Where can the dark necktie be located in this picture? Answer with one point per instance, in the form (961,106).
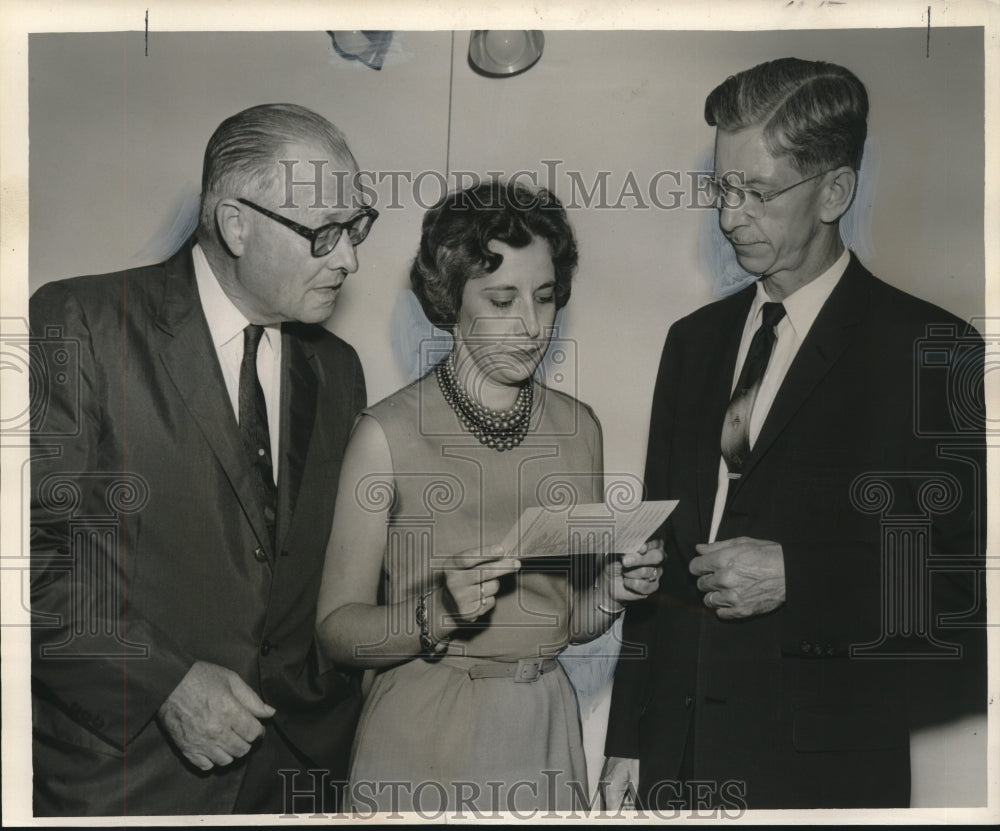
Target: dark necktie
(736,427)
(253,427)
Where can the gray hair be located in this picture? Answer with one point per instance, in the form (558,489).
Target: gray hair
(241,154)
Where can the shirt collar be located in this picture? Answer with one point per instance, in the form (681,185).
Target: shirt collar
(803,305)
(225,321)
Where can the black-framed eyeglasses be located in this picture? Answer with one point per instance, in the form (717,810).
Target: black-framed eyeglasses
(325,238)
(752,201)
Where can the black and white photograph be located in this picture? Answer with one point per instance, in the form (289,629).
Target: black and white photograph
(406,416)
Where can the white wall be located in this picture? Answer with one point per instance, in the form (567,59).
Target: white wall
(117,138)
(116,143)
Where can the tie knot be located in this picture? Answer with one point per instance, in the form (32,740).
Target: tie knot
(251,338)
(772,313)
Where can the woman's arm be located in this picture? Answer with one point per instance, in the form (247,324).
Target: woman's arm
(597,602)
(351,627)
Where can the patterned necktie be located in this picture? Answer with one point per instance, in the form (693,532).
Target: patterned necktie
(253,427)
(736,427)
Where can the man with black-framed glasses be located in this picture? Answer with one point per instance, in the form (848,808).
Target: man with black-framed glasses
(174,666)
(797,636)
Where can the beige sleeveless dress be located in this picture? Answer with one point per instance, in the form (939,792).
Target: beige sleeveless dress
(430,734)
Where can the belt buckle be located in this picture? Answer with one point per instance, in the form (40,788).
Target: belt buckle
(528,670)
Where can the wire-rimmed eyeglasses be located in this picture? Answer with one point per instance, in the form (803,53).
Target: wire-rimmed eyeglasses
(753,202)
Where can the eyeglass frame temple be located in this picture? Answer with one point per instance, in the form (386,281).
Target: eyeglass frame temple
(767,197)
(310,234)
(764,197)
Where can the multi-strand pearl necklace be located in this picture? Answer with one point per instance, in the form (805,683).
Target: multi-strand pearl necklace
(499,429)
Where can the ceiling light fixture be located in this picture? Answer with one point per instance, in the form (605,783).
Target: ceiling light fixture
(500,53)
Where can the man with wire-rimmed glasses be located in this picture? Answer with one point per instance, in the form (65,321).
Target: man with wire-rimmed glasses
(174,667)
(773,673)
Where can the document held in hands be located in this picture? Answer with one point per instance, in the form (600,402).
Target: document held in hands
(592,528)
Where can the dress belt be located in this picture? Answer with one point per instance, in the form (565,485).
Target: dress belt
(523,671)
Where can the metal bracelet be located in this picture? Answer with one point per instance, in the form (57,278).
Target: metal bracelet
(429,645)
(613,612)
(599,605)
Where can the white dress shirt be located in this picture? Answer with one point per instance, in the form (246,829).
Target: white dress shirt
(801,309)
(226,324)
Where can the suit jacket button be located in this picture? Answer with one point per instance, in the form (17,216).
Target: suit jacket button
(284,552)
(265,646)
(259,554)
(806,647)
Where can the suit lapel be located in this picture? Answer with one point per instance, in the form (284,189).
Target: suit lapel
(719,368)
(298,415)
(831,333)
(188,355)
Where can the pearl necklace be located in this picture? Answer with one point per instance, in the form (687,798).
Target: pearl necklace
(498,429)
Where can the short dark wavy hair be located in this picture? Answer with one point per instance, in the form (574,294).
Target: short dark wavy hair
(814,113)
(457,231)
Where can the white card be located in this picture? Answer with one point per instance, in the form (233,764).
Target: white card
(591,528)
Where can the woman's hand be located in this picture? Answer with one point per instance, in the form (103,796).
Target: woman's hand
(635,576)
(471,582)
(621,579)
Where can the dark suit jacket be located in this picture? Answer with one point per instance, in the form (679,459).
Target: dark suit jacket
(149,548)
(875,436)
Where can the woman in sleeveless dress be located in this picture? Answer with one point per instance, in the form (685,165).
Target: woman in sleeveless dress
(468,706)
